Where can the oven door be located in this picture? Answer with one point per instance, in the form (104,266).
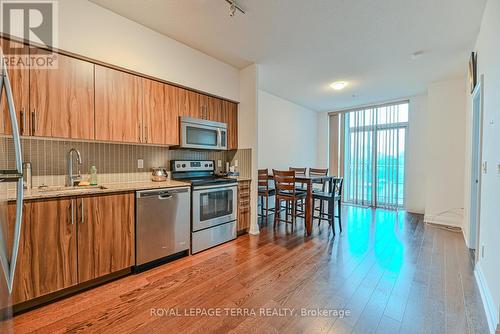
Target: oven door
(213,205)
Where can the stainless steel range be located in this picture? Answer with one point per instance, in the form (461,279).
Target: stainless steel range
(213,204)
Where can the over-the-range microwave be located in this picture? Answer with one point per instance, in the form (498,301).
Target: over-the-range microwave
(203,134)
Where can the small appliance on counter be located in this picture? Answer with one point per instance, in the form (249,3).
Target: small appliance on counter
(214,203)
(159,174)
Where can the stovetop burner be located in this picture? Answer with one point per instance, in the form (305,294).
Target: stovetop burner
(198,173)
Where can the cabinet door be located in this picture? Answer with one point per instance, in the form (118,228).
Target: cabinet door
(47,251)
(105,235)
(243,206)
(118,106)
(215,110)
(231,111)
(189,104)
(19,80)
(62,99)
(161,113)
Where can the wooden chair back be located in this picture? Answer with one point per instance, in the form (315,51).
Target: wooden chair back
(263,178)
(284,181)
(298,170)
(337,184)
(319,172)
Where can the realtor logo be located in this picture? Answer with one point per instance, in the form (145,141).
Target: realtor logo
(34,21)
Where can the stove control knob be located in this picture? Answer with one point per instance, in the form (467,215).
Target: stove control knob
(178,165)
(206,165)
(210,165)
(183,165)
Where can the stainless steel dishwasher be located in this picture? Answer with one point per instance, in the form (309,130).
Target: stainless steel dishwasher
(163,225)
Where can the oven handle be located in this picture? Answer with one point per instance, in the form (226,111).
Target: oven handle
(216,187)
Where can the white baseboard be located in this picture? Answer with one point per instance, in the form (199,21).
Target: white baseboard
(444,219)
(489,306)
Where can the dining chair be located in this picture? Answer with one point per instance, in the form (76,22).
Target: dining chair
(300,185)
(264,191)
(319,185)
(330,197)
(284,182)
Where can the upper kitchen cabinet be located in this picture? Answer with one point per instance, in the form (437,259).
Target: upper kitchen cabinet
(189,104)
(19,80)
(62,99)
(231,112)
(215,110)
(118,106)
(161,113)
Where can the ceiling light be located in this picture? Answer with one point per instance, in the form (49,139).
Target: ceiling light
(339,85)
(233,6)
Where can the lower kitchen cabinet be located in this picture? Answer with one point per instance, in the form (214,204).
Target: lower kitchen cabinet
(68,241)
(105,235)
(47,260)
(243,206)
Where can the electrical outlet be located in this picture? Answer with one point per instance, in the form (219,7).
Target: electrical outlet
(236,163)
(485,167)
(140,163)
(219,163)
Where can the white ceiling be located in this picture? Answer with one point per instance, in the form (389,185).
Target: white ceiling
(304,45)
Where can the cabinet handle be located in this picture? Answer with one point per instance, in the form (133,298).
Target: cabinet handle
(23,121)
(146,133)
(72,209)
(82,220)
(140,137)
(33,122)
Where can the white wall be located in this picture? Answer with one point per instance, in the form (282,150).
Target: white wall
(416,164)
(247,129)
(488,48)
(323,139)
(444,197)
(288,134)
(98,33)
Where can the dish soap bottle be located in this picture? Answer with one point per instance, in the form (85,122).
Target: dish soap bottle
(93,176)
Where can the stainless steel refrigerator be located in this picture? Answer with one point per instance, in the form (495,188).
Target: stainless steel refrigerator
(10,174)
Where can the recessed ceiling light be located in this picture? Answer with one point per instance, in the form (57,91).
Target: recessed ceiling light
(339,85)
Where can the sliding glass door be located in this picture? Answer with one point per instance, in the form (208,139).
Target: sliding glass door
(375,155)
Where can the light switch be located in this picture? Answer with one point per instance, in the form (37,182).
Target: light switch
(485,167)
(219,163)
(235,163)
(140,163)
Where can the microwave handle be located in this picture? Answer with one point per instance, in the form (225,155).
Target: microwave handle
(219,138)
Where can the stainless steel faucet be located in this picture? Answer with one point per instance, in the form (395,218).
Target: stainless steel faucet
(73,180)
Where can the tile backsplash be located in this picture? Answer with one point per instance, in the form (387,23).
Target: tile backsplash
(114,162)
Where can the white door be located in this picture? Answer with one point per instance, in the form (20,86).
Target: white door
(477,104)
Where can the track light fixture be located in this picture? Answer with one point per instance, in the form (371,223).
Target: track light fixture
(233,6)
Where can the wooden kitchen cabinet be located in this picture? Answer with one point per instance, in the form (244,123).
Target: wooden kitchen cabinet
(231,111)
(105,235)
(47,259)
(189,104)
(243,206)
(19,80)
(62,99)
(215,110)
(161,113)
(118,106)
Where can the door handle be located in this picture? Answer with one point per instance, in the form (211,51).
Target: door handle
(72,212)
(23,121)
(33,122)
(9,265)
(82,218)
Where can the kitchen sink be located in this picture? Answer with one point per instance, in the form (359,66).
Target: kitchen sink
(45,189)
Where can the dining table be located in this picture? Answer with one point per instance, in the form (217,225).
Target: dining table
(309,180)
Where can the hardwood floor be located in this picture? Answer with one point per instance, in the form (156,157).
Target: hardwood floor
(389,270)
